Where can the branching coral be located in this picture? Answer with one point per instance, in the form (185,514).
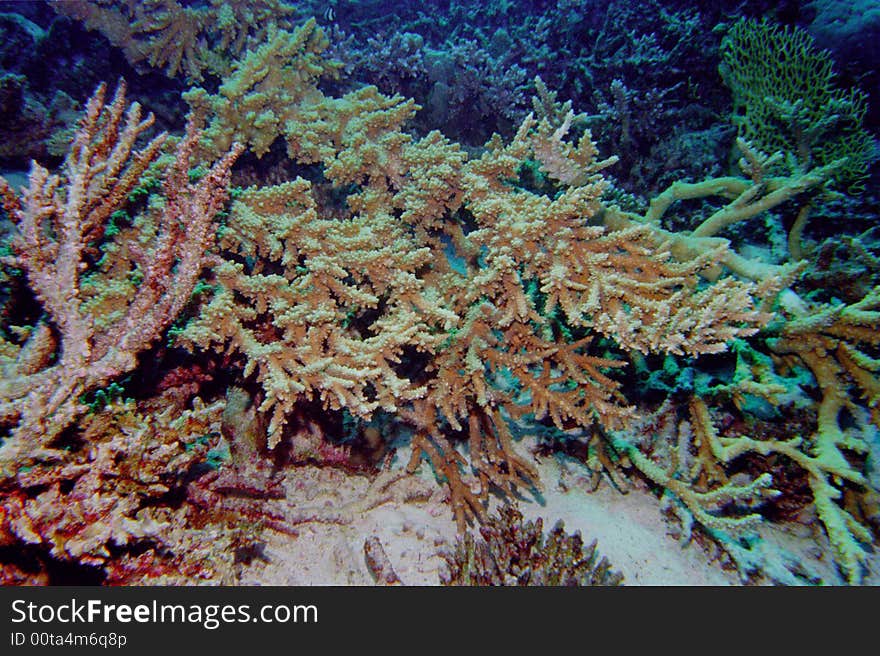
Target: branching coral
(331,309)
(400,280)
(834,342)
(100,501)
(109,286)
(837,344)
(329,306)
(510,551)
(105,301)
(268,88)
(273,92)
(747,197)
(188,40)
(698,478)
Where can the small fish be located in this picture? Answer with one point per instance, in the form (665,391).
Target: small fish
(329,15)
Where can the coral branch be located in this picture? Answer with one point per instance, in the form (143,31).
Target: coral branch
(99,314)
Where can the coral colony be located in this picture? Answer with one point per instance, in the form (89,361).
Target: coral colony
(256,254)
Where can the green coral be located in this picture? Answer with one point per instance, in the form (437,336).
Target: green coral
(104,396)
(786,99)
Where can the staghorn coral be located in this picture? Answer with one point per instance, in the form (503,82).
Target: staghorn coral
(509,551)
(717,492)
(105,301)
(270,87)
(184,39)
(748,197)
(702,483)
(297,324)
(273,92)
(838,343)
(406,281)
(330,309)
(834,342)
(513,357)
(98,494)
(105,504)
(697,477)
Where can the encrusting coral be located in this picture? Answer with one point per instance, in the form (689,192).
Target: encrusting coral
(399,280)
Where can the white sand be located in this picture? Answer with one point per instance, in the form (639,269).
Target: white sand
(413,522)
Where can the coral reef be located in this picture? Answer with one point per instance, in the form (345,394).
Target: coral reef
(178,37)
(95,505)
(398,287)
(786,99)
(98,317)
(512,552)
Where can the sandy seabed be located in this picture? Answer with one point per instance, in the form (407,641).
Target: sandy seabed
(333,512)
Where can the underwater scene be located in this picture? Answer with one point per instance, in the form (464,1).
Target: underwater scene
(362,292)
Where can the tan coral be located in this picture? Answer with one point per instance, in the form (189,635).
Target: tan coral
(58,220)
(183,39)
